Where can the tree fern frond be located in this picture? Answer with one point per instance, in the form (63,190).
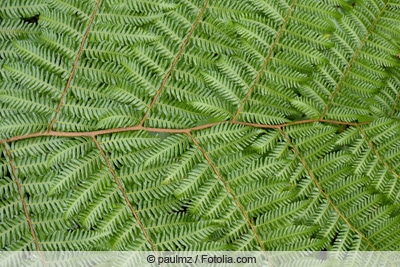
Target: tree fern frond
(222,87)
(170,147)
(61,22)
(43,57)
(156,208)
(58,43)
(230,162)
(40,80)
(239,234)
(276,10)
(129,240)
(22,244)
(12,228)
(127,16)
(108,72)
(236,125)
(286,77)
(173,109)
(180,169)
(234,10)
(138,76)
(270,202)
(24,101)
(76,8)
(140,175)
(53,204)
(20,124)
(146,5)
(308,107)
(77,170)
(263,115)
(7,50)
(127,141)
(42,145)
(10,207)
(14,29)
(69,123)
(124,35)
(246,242)
(201,199)
(388,228)
(71,240)
(102,204)
(192,182)
(184,237)
(286,236)
(48,223)
(279,218)
(21,9)
(107,51)
(72,148)
(133,157)
(148,190)
(256,170)
(213,107)
(388,98)
(7,187)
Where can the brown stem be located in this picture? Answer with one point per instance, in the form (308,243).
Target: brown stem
(228,189)
(168,74)
(171,131)
(339,84)
(24,205)
(71,74)
(120,187)
(372,147)
(321,190)
(266,61)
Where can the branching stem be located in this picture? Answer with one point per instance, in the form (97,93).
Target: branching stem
(168,74)
(229,190)
(171,131)
(322,191)
(266,61)
(347,70)
(121,188)
(372,147)
(24,205)
(75,66)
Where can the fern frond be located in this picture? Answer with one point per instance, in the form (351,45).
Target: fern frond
(21,9)
(148,5)
(278,126)
(77,170)
(124,35)
(58,43)
(43,57)
(180,169)
(76,8)
(71,240)
(14,29)
(128,141)
(192,182)
(102,204)
(72,148)
(21,124)
(42,81)
(69,123)
(170,147)
(58,21)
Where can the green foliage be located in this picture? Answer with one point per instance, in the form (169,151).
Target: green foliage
(191,124)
